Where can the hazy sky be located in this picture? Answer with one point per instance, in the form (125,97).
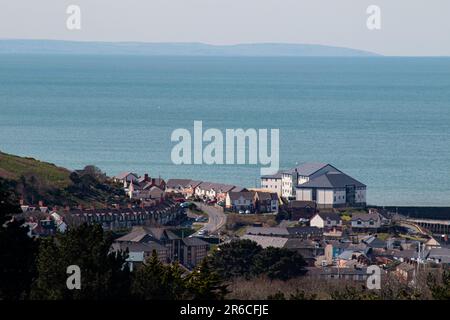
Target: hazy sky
(408,27)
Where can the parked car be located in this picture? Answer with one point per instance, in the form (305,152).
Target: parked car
(186,204)
(247,212)
(241,211)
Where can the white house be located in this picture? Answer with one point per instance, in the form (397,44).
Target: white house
(326,220)
(272,183)
(333,189)
(126,177)
(366,220)
(176,185)
(244,200)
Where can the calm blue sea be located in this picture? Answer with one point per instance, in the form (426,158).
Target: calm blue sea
(384,121)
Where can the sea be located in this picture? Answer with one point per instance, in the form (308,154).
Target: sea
(383,120)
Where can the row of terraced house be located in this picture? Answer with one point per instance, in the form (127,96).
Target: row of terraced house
(234,198)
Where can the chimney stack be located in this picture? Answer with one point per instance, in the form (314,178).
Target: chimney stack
(41,203)
(21,201)
(146,178)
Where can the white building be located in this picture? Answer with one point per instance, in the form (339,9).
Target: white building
(326,220)
(333,189)
(125,177)
(366,220)
(272,183)
(244,200)
(292,178)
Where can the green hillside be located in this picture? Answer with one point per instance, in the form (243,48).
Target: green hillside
(13,167)
(34,181)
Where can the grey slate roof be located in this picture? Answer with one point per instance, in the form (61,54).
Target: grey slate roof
(173,183)
(332,216)
(267,231)
(194,242)
(265,242)
(145,234)
(296,243)
(308,169)
(272,176)
(365,216)
(303,230)
(138,246)
(247,195)
(332,180)
(122,175)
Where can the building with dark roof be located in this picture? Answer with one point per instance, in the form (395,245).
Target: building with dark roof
(365,221)
(333,189)
(177,185)
(326,220)
(291,178)
(188,251)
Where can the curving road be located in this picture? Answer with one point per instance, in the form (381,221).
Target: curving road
(217,218)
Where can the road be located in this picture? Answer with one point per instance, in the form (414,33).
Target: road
(217,218)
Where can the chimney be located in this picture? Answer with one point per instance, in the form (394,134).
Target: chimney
(142,204)
(80,207)
(146,177)
(21,201)
(153,181)
(67,208)
(41,203)
(129,206)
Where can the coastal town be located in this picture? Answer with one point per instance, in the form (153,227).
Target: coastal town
(314,209)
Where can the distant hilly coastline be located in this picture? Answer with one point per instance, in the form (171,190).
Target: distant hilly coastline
(176,49)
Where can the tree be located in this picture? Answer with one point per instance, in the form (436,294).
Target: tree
(103,273)
(156,281)
(440,291)
(205,284)
(9,203)
(235,259)
(279,263)
(17,261)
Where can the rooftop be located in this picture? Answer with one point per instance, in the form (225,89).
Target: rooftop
(332,180)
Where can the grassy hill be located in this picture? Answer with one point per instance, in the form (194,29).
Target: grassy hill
(13,167)
(34,180)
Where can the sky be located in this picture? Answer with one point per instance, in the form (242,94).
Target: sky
(408,27)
